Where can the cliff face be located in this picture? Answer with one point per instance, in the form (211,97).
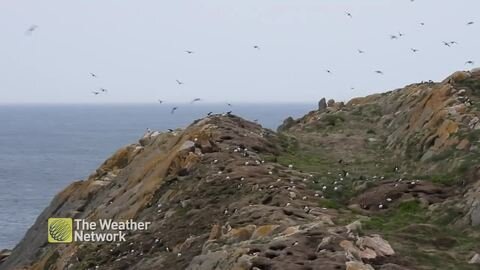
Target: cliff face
(389,181)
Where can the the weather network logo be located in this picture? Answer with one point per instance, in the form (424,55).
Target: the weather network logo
(60,230)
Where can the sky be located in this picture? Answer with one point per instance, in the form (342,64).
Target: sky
(137,48)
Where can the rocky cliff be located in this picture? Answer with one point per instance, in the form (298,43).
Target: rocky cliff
(388,181)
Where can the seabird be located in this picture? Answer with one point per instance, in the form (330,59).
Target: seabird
(196,100)
(470,23)
(401,34)
(170,130)
(469,63)
(446,43)
(393,37)
(379,72)
(256,47)
(95,93)
(103,90)
(173,110)
(453,42)
(360,51)
(160,101)
(93,75)
(414,50)
(189,52)
(210,113)
(179,82)
(329,71)
(422,24)
(349,14)
(31,29)
(229,104)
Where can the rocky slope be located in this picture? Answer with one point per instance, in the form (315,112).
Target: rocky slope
(389,181)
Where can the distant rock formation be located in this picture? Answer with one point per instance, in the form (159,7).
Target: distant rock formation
(322,104)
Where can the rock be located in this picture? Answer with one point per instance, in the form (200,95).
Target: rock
(475,259)
(378,244)
(322,104)
(330,103)
(458,77)
(358,266)
(4,254)
(287,123)
(475,213)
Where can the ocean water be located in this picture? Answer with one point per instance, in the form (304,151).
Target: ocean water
(45,148)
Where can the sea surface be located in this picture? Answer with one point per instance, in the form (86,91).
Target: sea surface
(43,148)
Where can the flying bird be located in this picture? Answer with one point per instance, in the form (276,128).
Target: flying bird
(400,34)
(103,90)
(229,104)
(349,14)
(414,50)
(160,101)
(93,75)
(393,37)
(195,100)
(179,82)
(31,29)
(453,42)
(446,43)
(328,71)
(422,24)
(189,52)
(256,47)
(173,110)
(360,51)
(95,93)
(379,72)
(470,63)
(470,23)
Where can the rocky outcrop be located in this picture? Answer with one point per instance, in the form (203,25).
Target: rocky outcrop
(322,104)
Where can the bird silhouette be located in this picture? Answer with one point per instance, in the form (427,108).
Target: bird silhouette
(160,101)
(210,113)
(93,75)
(256,47)
(401,34)
(31,29)
(173,110)
(453,43)
(360,51)
(328,71)
(103,90)
(189,52)
(179,82)
(349,14)
(95,93)
(470,62)
(470,23)
(229,104)
(446,43)
(414,50)
(196,100)
(393,37)
(379,72)
(422,24)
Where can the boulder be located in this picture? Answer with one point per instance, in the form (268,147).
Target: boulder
(330,103)
(358,266)
(322,104)
(475,259)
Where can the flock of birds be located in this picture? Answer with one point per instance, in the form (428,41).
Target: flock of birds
(33,28)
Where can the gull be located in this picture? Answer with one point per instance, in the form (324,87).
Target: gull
(422,24)
(95,93)
(446,43)
(328,71)
(195,100)
(210,113)
(360,51)
(470,23)
(393,37)
(31,29)
(179,82)
(414,50)
(453,42)
(93,75)
(379,72)
(160,101)
(349,14)
(470,62)
(173,110)
(229,104)
(256,47)
(400,34)
(189,52)
(103,90)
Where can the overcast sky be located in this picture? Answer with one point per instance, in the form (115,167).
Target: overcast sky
(136,47)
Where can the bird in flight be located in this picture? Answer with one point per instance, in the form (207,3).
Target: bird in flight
(379,72)
(393,37)
(173,110)
(256,47)
(179,82)
(328,71)
(470,62)
(210,113)
(31,29)
(189,52)
(229,104)
(103,90)
(360,51)
(422,24)
(401,34)
(93,75)
(349,14)
(470,23)
(414,50)
(446,43)
(160,101)
(196,100)
(95,93)
(453,43)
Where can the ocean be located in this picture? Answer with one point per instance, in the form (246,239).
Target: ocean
(43,148)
